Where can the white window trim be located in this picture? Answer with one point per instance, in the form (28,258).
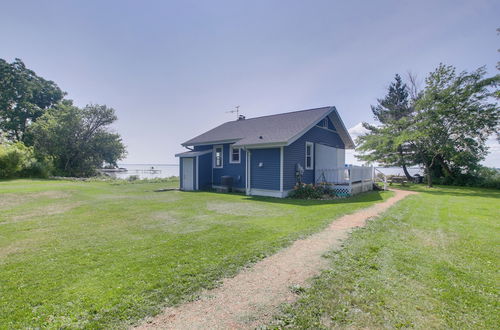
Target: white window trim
(312,156)
(221,146)
(231,161)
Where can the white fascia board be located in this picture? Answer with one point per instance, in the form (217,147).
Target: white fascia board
(349,144)
(198,153)
(261,146)
(210,143)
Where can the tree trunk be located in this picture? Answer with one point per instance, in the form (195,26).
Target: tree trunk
(403,164)
(407,174)
(429,176)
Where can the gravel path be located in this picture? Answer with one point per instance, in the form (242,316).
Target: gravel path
(252,297)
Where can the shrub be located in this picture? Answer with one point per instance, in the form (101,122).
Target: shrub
(18,160)
(310,191)
(483,177)
(133,178)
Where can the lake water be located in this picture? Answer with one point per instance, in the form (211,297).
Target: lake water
(143,171)
(168,170)
(399,171)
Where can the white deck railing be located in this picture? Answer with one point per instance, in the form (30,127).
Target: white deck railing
(345,175)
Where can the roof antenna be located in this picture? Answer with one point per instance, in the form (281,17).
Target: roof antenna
(236,110)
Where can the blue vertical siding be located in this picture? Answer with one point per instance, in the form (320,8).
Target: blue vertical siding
(205,171)
(330,124)
(237,171)
(267,176)
(201,148)
(296,154)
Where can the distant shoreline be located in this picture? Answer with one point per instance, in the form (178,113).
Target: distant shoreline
(147,164)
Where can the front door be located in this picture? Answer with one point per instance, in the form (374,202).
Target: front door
(187,174)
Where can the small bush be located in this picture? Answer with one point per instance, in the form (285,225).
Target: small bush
(133,178)
(310,191)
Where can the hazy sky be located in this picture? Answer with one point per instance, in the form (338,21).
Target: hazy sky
(172,69)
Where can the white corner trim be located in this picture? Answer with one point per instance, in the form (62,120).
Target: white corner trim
(221,156)
(312,156)
(231,148)
(282,160)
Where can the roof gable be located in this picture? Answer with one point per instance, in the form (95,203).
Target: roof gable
(280,129)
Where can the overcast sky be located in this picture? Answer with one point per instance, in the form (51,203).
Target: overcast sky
(172,69)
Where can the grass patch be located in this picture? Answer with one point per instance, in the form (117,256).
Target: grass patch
(431,261)
(103,254)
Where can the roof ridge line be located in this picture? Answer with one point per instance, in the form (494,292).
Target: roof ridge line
(283,113)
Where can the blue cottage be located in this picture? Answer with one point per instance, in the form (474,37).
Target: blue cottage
(263,154)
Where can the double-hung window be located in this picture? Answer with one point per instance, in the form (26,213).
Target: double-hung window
(235,155)
(309,155)
(218,157)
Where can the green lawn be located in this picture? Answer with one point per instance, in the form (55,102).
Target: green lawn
(98,254)
(432,261)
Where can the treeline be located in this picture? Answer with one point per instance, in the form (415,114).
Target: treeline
(442,127)
(42,133)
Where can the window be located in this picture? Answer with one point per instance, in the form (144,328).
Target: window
(309,155)
(218,160)
(324,123)
(235,155)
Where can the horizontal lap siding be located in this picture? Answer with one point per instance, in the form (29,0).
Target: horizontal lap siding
(296,154)
(267,176)
(237,171)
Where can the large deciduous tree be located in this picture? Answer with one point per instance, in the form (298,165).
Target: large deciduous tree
(24,97)
(443,128)
(454,117)
(381,144)
(77,140)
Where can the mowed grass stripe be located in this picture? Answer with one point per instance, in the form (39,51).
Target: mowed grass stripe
(429,262)
(97,254)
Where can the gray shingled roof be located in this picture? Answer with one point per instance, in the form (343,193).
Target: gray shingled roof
(280,129)
(193,153)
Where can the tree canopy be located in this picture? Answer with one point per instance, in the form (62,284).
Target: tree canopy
(65,139)
(77,140)
(454,117)
(444,128)
(24,97)
(392,113)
